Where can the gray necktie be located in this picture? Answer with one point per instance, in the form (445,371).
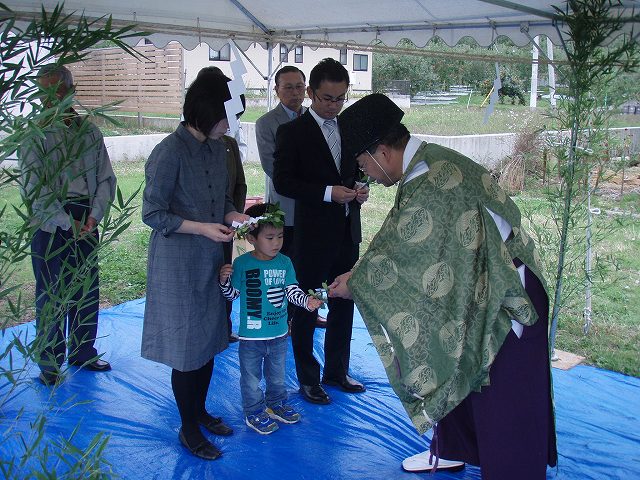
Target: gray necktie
(334,146)
(332,140)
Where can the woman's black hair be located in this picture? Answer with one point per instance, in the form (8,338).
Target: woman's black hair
(204,102)
(211,70)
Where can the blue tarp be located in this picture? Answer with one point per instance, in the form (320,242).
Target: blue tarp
(363,436)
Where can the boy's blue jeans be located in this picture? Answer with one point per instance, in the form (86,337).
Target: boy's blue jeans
(254,356)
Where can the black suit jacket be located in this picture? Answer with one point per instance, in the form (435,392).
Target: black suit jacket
(303,168)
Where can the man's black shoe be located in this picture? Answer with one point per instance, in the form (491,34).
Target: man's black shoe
(314,394)
(347,384)
(95,366)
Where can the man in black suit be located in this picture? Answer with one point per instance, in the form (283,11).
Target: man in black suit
(290,88)
(315,169)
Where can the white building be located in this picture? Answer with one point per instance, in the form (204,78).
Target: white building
(357,63)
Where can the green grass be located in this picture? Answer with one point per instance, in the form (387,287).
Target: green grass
(613,341)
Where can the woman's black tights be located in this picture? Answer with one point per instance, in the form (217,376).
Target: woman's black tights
(190,390)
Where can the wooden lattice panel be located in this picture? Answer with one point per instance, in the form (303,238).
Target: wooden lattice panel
(154,84)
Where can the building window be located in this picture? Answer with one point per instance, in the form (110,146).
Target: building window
(343,56)
(360,63)
(222,55)
(299,54)
(284,53)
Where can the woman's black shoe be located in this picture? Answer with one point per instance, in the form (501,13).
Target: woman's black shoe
(204,449)
(216,426)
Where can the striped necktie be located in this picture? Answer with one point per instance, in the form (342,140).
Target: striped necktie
(334,146)
(332,140)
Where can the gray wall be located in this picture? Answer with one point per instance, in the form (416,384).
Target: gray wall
(488,150)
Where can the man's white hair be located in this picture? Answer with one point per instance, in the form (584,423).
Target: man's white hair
(60,71)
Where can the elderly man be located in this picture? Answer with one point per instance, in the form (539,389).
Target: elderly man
(452,292)
(313,167)
(69,183)
(290,89)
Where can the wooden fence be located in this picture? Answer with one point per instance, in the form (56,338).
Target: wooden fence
(154,84)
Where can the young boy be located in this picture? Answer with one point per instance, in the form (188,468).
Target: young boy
(265,281)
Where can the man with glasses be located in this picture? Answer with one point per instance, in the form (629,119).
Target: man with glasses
(290,88)
(313,167)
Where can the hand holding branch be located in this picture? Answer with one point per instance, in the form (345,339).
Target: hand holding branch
(342,195)
(313,303)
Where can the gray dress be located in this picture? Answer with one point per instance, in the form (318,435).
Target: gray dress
(184,319)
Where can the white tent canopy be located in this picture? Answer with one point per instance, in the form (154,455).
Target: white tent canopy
(328,23)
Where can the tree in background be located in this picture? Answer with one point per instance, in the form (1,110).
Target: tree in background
(590,66)
(438,66)
(622,88)
(418,70)
(511,87)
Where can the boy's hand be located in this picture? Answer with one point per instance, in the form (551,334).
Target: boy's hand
(313,303)
(225,272)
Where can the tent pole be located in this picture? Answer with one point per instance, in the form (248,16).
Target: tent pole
(533,97)
(586,315)
(552,74)
(269,73)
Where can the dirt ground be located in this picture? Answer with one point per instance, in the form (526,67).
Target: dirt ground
(612,184)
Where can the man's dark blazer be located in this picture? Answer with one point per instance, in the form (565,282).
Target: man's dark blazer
(325,242)
(303,168)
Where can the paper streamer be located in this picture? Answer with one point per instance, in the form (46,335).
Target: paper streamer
(493,100)
(236,88)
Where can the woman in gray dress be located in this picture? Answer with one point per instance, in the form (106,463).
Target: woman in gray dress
(186,204)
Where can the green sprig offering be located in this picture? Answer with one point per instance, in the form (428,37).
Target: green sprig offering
(321,294)
(363,179)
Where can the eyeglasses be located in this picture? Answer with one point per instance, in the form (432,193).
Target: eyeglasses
(364,163)
(293,88)
(330,99)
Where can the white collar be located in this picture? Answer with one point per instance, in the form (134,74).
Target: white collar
(409,152)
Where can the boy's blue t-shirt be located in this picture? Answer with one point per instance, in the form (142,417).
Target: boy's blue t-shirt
(263,300)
